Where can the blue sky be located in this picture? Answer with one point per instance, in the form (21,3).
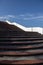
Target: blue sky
(26,12)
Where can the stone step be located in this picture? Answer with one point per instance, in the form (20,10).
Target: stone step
(23,53)
(21,62)
(17,48)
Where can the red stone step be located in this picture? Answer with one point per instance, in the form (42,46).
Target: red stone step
(21,53)
(16,62)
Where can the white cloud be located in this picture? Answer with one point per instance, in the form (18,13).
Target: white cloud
(30,17)
(27,14)
(23,17)
(12,16)
(2,17)
(6,17)
(33,18)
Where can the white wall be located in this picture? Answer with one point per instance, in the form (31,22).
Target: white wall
(36,29)
(33,29)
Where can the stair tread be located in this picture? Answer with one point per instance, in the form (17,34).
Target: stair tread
(21,53)
(21,61)
(21,47)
